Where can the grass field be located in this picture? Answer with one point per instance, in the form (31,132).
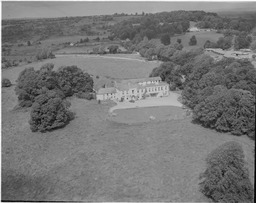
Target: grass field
(94,159)
(201,38)
(106,68)
(97,159)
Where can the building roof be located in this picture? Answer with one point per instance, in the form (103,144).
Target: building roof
(107,90)
(137,80)
(126,87)
(156,85)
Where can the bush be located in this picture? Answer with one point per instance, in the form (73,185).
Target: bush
(226,179)
(49,111)
(72,79)
(6,82)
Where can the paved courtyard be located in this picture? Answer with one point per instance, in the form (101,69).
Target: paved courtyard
(170,100)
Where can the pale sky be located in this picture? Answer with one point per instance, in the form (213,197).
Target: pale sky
(34,9)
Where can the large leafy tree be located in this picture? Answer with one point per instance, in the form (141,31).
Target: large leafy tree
(49,111)
(31,82)
(226,110)
(242,41)
(165,39)
(72,79)
(226,179)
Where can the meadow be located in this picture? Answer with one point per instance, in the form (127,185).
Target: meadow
(96,159)
(201,38)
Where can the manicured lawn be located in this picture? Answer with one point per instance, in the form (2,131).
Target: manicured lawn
(140,115)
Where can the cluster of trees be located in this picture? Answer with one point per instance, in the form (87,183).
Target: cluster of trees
(45,90)
(241,41)
(151,49)
(157,25)
(6,63)
(84,40)
(221,94)
(26,29)
(226,179)
(219,23)
(44,54)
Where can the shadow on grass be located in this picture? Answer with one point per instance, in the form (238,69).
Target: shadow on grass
(20,187)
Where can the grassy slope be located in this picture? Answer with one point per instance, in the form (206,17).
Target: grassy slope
(106,68)
(95,159)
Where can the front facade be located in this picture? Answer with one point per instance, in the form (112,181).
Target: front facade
(134,89)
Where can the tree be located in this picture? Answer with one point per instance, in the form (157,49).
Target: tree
(209,44)
(72,79)
(242,41)
(6,82)
(30,84)
(165,39)
(113,49)
(179,41)
(49,111)
(253,46)
(226,179)
(193,41)
(178,46)
(226,110)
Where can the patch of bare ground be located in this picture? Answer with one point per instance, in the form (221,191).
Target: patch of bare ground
(94,159)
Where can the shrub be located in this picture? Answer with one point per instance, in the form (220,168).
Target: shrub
(6,82)
(49,111)
(72,79)
(226,179)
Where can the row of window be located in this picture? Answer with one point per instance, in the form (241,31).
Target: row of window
(150,89)
(156,89)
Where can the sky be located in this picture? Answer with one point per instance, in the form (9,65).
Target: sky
(42,9)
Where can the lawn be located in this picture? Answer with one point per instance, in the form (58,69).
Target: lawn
(95,159)
(141,115)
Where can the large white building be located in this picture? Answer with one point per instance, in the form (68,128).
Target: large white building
(134,89)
